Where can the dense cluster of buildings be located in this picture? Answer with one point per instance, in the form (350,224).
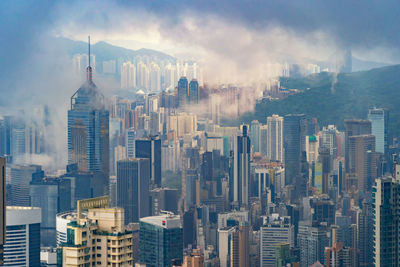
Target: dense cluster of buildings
(150,184)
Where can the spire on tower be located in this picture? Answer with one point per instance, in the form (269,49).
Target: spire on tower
(89,74)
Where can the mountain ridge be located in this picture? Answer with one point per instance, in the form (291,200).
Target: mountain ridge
(332,102)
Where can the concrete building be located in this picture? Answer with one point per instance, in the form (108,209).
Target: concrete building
(386,201)
(100,239)
(274,231)
(275,138)
(22,247)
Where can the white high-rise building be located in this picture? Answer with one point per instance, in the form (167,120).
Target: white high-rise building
(170,76)
(155,78)
(275,230)
(142,76)
(128,75)
(275,138)
(22,247)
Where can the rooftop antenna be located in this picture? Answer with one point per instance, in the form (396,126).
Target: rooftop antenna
(89,74)
(89,48)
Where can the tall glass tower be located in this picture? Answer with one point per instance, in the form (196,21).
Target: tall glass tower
(88,132)
(379,121)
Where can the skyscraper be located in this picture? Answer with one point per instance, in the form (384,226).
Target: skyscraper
(240,246)
(2,207)
(359,147)
(386,201)
(312,241)
(161,240)
(354,127)
(274,231)
(293,141)
(379,128)
(128,75)
(255,135)
(52,195)
(275,138)
(88,132)
(241,172)
(193,92)
(22,247)
(150,148)
(21,176)
(133,176)
(182,91)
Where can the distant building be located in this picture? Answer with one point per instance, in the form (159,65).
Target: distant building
(21,176)
(352,128)
(182,91)
(128,75)
(133,177)
(22,247)
(164,199)
(161,240)
(312,241)
(379,127)
(150,148)
(294,126)
(241,172)
(274,231)
(193,95)
(52,195)
(275,138)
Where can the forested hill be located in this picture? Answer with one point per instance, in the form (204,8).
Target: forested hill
(332,99)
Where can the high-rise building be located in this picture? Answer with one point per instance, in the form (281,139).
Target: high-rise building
(182,91)
(386,201)
(224,241)
(161,240)
(155,78)
(274,231)
(365,227)
(275,138)
(163,199)
(264,139)
(133,177)
(359,148)
(240,246)
(241,172)
(2,207)
(21,176)
(255,135)
(329,139)
(312,241)
(99,238)
(379,127)
(52,195)
(193,95)
(293,144)
(22,247)
(354,127)
(150,148)
(128,75)
(88,132)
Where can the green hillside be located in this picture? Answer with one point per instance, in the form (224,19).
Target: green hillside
(350,97)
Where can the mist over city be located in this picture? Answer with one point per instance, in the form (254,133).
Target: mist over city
(199,133)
